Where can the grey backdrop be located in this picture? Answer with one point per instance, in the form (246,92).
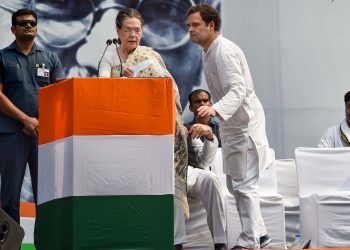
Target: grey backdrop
(299,55)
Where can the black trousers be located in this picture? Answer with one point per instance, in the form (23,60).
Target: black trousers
(16,150)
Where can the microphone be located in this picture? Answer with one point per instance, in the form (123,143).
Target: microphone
(108,42)
(116,42)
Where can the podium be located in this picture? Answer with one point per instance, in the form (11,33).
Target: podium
(106,171)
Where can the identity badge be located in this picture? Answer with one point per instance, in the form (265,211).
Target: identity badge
(43,72)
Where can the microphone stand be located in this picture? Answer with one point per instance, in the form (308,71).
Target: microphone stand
(108,42)
(116,41)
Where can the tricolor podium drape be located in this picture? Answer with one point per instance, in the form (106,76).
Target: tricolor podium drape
(106,172)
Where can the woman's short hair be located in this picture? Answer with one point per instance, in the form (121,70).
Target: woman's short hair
(125,14)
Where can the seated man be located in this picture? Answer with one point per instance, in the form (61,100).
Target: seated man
(202,147)
(338,135)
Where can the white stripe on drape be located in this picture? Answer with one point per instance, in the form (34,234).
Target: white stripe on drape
(106,165)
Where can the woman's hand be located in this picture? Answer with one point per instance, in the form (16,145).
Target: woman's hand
(128,72)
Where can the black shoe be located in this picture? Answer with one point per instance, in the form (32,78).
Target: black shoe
(178,247)
(238,248)
(264,241)
(220,246)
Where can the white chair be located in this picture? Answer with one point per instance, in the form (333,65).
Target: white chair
(271,204)
(324,193)
(287,186)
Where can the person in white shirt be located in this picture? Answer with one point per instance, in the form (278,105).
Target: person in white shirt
(241,117)
(338,135)
(202,143)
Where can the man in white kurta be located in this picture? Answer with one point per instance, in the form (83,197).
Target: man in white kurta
(338,135)
(204,184)
(242,120)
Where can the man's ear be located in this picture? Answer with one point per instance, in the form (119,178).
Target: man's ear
(212,25)
(190,108)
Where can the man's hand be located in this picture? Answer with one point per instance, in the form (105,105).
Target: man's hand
(206,111)
(31,126)
(198,130)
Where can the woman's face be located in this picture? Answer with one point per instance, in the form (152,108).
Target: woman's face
(130,33)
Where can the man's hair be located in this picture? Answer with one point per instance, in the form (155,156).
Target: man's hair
(347,97)
(197,91)
(23,12)
(208,14)
(127,13)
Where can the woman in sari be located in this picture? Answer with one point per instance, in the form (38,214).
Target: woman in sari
(130,59)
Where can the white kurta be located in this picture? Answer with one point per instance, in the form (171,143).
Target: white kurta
(240,112)
(243,138)
(332,137)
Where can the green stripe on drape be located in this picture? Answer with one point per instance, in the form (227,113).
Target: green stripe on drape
(138,222)
(27,246)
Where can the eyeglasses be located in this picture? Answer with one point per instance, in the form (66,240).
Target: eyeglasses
(130,30)
(24,23)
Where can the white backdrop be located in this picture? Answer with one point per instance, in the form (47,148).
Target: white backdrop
(299,56)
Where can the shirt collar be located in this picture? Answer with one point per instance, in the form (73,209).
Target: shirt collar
(345,131)
(194,122)
(212,45)
(13,46)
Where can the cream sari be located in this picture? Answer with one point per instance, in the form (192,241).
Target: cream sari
(158,69)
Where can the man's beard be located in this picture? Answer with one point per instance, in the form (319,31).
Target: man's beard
(26,37)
